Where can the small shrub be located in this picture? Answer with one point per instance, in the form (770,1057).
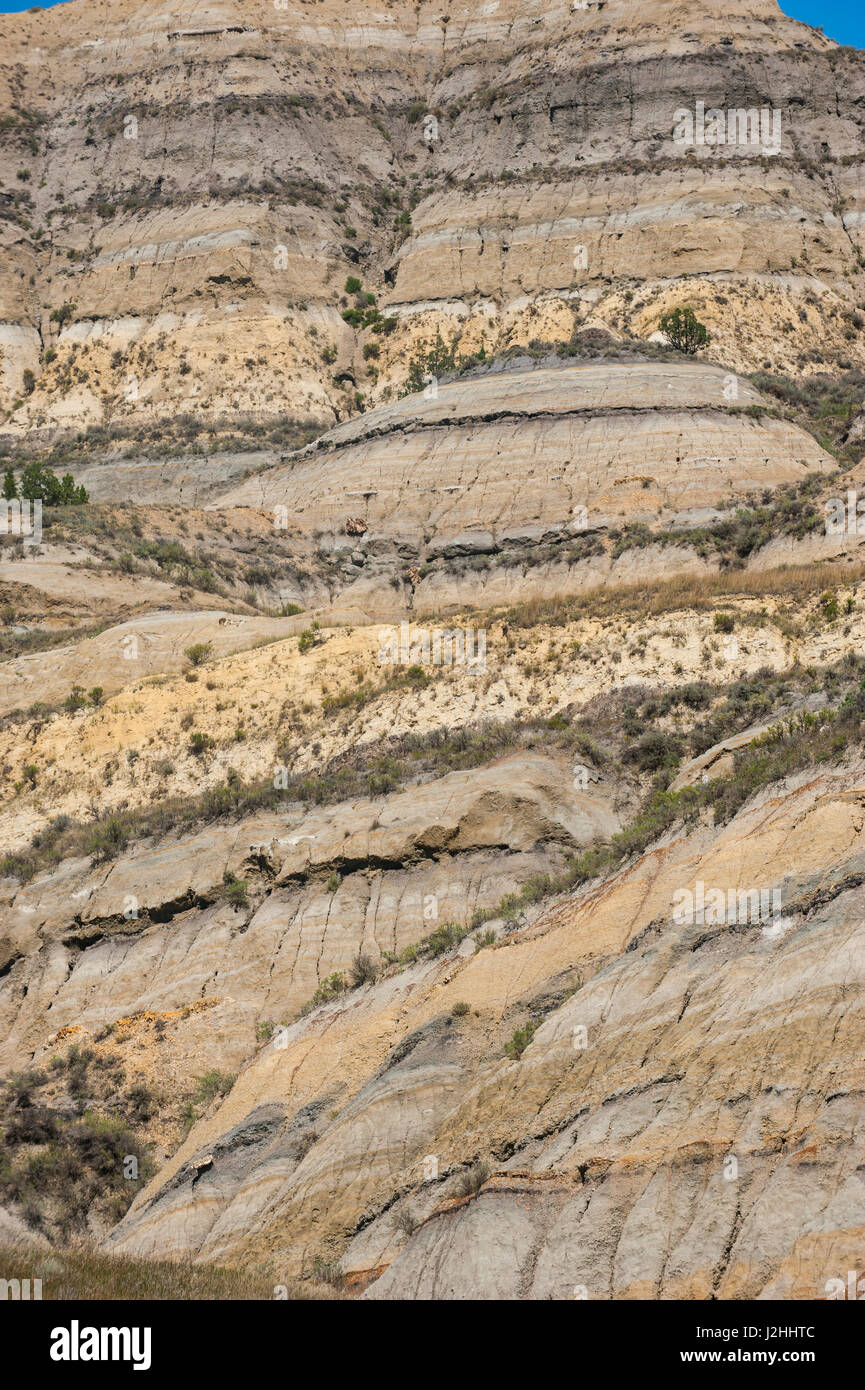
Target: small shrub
(327,1272)
(107,839)
(829,605)
(141,1103)
(213,1084)
(516,1046)
(405,1222)
(654,751)
(198,653)
(236,890)
(330,988)
(75,700)
(471,1182)
(62,315)
(363,971)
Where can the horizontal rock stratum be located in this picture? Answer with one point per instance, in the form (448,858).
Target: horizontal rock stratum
(199,193)
(514,455)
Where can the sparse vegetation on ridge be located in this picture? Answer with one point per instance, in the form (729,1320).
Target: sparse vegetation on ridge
(379,769)
(68,1165)
(802,740)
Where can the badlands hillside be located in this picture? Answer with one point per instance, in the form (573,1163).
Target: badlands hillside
(432,816)
(186,190)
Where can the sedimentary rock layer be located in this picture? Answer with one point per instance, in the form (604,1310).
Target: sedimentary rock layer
(87,944)
(516,455)
(180,192)
(697,1071)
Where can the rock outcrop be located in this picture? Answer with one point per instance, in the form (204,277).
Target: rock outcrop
(90,944)
(178,193)
(493,470)
(698,1071)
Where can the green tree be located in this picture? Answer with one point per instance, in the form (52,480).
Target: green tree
(70,495)
(63,314)
(9,488)
(38,482)
(684,330)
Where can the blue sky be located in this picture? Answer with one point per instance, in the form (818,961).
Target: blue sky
(843,20)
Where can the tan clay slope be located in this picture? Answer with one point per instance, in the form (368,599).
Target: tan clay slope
(154,930)
(150,645)
(702,1044)
(266,708)
(516,455)
(197,185)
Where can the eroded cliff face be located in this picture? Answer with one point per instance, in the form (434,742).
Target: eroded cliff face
(681,1114)
(361,778)
(349,878)
(463,489)
(517,480)
(186,192)
(686,1124)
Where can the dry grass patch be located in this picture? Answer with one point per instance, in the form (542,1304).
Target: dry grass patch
(793,583)
(85,1273)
